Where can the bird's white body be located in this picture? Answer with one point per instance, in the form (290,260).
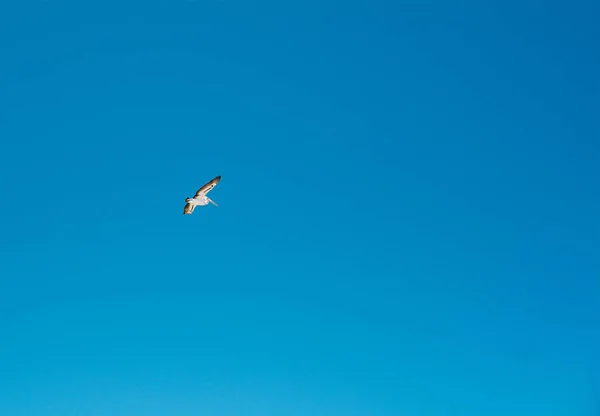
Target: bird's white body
(200,199)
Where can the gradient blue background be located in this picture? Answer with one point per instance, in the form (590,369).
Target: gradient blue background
(408,220)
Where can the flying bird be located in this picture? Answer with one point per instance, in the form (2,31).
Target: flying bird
(200,198)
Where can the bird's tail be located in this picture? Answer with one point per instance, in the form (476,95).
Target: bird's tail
(212,202)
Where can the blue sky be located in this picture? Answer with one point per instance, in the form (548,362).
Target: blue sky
(407,223)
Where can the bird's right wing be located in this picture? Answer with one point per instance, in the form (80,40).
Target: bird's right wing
(188,209)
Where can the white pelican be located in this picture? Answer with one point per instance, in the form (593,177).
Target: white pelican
(200,198)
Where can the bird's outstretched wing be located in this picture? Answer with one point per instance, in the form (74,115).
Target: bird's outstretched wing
(208,186)
(188,209)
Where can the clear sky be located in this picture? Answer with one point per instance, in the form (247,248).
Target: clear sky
(408,218)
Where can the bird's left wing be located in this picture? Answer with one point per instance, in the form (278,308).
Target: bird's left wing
(208,186)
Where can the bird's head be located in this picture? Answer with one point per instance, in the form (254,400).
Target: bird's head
(188,199)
